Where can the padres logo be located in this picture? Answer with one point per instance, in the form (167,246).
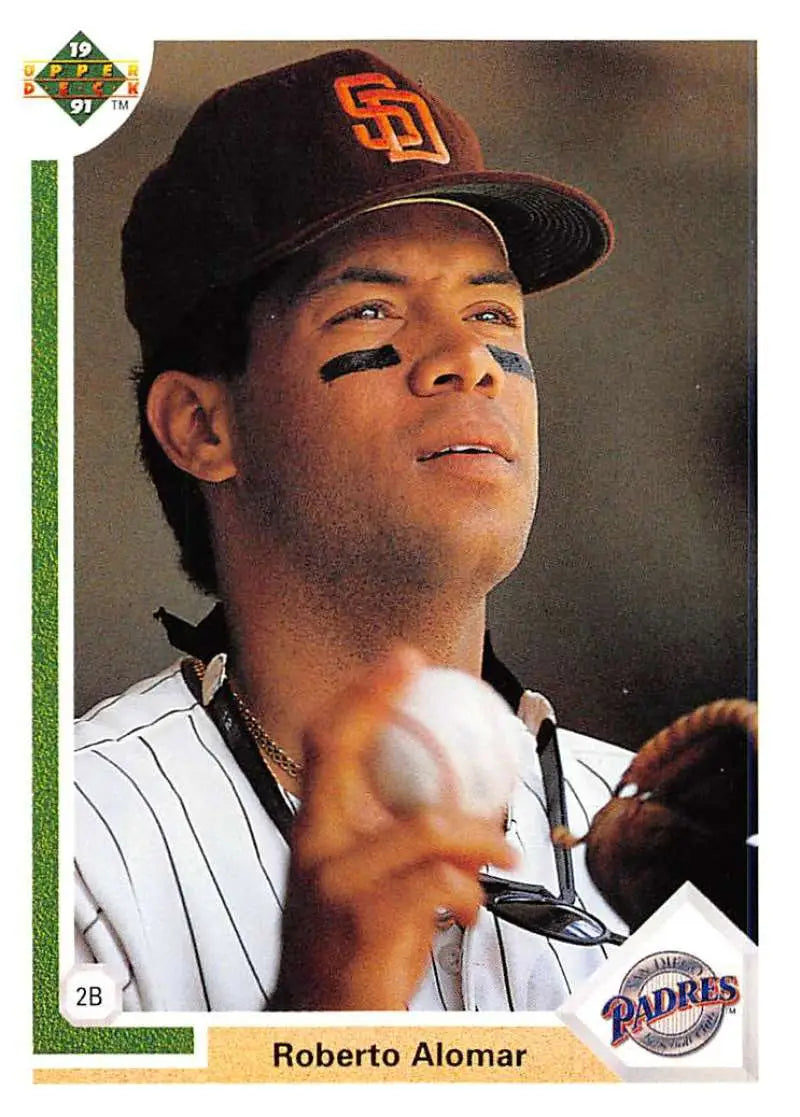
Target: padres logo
(670,1003)
(401,124)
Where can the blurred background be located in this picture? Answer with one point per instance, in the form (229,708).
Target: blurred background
(635,601)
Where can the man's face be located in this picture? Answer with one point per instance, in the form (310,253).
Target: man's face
(376,431)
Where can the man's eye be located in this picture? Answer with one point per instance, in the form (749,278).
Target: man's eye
(502,315)
(364,312)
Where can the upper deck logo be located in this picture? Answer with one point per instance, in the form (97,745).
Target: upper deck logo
(670,1003)
(80,79)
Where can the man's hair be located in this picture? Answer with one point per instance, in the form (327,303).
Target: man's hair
(212,342)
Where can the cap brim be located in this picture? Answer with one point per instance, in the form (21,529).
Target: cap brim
(553,232)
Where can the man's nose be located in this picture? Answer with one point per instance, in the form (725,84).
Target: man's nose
(456,364)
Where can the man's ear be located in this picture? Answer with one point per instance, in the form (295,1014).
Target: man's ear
(191,418)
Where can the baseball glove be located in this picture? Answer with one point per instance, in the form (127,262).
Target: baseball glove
(684,810)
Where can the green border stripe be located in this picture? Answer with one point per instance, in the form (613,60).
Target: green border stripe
(51,1032)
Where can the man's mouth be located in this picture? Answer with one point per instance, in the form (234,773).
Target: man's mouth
(462,448)
(465,448)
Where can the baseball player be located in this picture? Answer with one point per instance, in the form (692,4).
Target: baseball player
(340,417)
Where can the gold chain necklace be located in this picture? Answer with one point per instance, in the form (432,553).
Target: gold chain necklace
(270,751)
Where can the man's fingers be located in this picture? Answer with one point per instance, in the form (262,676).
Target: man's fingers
(337,796)
(460,840)
(343,726)
(428,890)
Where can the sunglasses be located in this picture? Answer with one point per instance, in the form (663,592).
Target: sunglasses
(531,906)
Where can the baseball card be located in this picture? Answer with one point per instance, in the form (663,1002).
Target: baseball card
(394,555)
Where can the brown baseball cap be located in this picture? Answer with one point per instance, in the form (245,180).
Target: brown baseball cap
(266,166)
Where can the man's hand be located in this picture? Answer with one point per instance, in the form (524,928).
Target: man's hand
(364,884)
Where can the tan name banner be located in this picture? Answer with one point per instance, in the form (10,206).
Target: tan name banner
(351,1055)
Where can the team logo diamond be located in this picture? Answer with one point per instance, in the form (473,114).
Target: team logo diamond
(80,79)
(677,1001)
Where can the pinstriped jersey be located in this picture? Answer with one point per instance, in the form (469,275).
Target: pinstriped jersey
(180,873)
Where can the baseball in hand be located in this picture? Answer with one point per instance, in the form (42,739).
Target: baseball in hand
(451,738)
